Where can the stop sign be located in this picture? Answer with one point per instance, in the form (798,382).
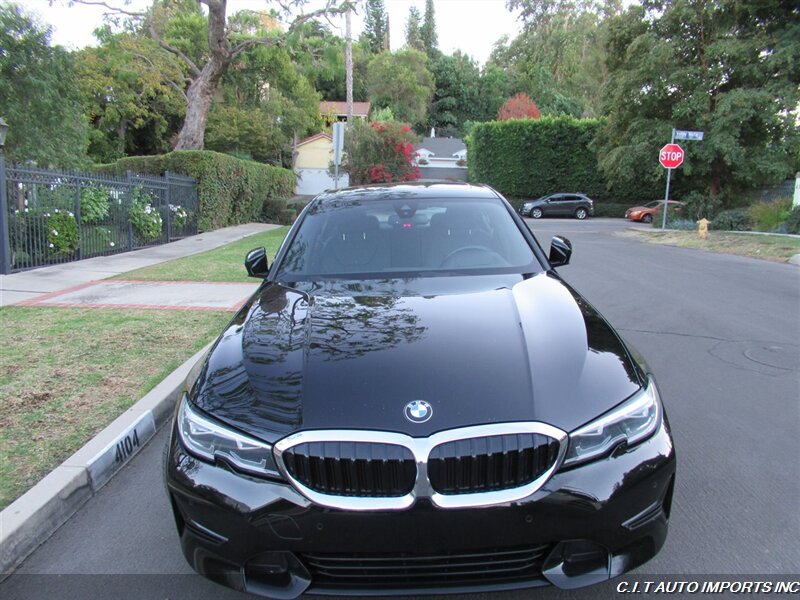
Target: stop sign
(671,156)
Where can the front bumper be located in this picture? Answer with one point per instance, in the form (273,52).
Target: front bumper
(583,526)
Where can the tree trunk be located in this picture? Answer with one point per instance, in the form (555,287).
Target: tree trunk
(198,102)
(204,82)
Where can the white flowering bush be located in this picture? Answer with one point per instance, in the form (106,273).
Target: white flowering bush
(62,232)
(146,219)
(179,216)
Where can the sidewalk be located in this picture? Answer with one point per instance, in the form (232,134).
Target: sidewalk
(27,286)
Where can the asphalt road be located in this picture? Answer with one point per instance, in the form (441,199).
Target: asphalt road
(722,334)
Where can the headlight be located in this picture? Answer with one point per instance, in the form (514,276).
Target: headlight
(629,423)
(209,439)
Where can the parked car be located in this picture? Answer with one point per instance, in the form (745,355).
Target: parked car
(647,213)
(414,401)
(579,206)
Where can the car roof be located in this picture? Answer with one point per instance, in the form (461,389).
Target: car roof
(414,189)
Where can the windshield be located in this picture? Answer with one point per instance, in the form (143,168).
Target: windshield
(406,236)
(652,204)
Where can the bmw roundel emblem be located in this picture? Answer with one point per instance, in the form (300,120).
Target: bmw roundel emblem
(418,411)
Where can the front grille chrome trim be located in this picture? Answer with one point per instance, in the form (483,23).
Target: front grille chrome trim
(421,449)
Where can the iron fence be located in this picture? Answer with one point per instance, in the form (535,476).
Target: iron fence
(50,217)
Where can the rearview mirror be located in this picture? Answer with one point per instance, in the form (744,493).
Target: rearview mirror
(560,251)
(256,263)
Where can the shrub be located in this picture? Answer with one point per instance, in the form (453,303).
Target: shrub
(610,209)
(793,222)
(146,220)
(380,153)
(230,190)
(179,216)
(96,239)
(94,204)
(529,159)
(768,216)
(676,215)
(62,232)
(287,216)
(698,206)
(736,219)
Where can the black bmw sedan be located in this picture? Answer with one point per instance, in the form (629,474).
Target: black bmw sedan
(414,401)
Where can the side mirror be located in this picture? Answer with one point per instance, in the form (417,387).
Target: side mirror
(560,251)
(256,263)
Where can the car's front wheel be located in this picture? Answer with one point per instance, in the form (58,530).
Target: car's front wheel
(581,214)
(647,219)
(536,213)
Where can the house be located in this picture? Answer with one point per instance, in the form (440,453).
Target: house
(442,158)
(333,111)
(312,158)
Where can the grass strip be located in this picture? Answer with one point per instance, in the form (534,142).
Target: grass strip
(65,374)
(769,247)
(225,263)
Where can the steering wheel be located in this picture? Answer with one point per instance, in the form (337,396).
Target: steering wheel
(490,257)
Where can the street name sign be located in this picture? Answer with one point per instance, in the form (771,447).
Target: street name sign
(688,135)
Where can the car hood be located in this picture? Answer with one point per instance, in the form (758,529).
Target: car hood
(639,209)
(353,354)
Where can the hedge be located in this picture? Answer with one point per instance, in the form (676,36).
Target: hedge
(231,190)
(529,158)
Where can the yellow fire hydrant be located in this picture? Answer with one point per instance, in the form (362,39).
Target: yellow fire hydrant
(702,228)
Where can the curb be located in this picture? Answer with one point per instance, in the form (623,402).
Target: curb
(36,515)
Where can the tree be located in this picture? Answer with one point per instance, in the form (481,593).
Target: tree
(413,32)
(376,26)
(455,99)
(133,95)
(430,40)
(519,106)
(263,103)
(401,81)
(381,152)
(38,95)
(559,58)
(493,90)
(320,56)
(207,60)
(727,68)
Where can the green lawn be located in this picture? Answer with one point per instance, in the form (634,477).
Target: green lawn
(222,264)
(769,247)
(67,373)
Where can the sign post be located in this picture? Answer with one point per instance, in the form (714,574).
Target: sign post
(670,157)
(338,145)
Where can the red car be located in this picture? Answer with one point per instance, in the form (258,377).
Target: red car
(646,213)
